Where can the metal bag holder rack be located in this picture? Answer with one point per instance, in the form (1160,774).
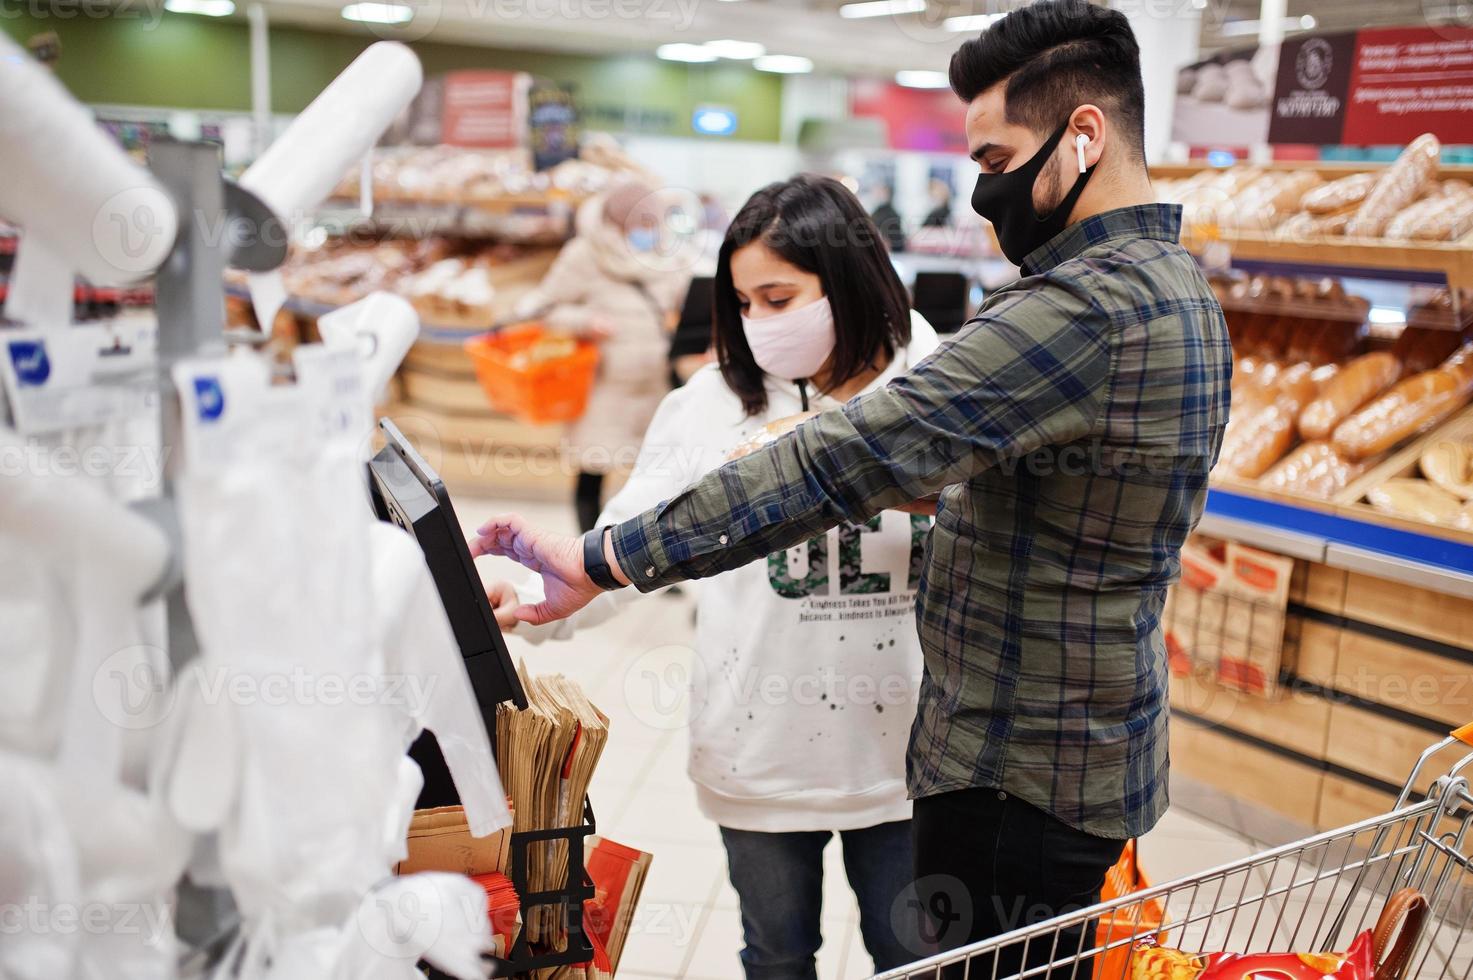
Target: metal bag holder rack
(570,896)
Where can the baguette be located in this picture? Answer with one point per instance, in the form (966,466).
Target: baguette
(1412,405)
(1315,469)
(1262,439)
(1417,499)
(1402,183)
(1338,195)
(1356,384)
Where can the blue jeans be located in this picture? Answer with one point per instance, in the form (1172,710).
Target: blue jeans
(779,880)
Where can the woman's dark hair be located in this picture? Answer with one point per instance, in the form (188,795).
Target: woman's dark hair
(816,224)
(1056,55)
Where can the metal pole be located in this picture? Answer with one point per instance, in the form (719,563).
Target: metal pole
(260,77)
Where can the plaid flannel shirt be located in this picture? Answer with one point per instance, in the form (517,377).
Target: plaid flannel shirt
(1070,428)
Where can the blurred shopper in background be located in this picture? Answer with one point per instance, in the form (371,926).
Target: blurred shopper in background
(808,313)
(886,218)
(940,214)
(615,283)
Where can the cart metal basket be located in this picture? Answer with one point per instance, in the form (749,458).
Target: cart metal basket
(1312,895)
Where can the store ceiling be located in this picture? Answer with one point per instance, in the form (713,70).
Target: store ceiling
(812,28)
(872,46)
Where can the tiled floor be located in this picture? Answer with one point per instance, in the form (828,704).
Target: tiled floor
(688,925)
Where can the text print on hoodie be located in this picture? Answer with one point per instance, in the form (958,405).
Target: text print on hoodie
(808,664)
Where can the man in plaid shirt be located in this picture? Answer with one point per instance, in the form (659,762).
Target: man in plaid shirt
(1068,429)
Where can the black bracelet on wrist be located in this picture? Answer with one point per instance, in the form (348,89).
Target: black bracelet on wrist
(593,560)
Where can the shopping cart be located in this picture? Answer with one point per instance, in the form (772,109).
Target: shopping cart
(1313,895)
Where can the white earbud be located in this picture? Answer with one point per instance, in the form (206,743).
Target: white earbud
(1080,142)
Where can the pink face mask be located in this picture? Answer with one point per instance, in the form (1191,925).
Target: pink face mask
(794,344)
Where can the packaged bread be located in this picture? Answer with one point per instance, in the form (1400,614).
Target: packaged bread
(768,434)
(1315,469)
(1409,407)
(1416,499)
(1263,438)
(1353,386)
(1337,195)
(1401,184)
(1448,463)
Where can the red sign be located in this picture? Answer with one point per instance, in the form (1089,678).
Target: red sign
(484,108)
(930,120)
(1408,81)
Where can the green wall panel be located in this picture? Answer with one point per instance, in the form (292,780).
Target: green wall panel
(161,59)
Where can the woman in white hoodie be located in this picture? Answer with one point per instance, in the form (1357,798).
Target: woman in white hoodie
(811,661)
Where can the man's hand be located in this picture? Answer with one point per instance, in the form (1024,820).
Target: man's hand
(556,557)
(504,604)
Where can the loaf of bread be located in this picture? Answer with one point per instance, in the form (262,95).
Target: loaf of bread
(1263,437)
(1401,184)
(1315,469)
(1416,499)
(1449,464)
(1337,195)
(1269,201)
(768,434)
(1409,407)
(1356,384)
(1447,224)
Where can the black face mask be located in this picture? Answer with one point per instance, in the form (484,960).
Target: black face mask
(1006,200)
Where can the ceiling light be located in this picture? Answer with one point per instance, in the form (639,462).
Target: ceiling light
(370,12)
(693,53)
(1244,28)
(735,50)
(784,64)
(971,22)
(881,8)
(921,79)
(205,8)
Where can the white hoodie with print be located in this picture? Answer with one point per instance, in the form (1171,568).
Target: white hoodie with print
(807,664)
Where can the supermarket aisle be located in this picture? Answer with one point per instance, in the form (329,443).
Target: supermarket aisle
(688,925)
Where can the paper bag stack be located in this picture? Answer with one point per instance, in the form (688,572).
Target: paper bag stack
(547,755)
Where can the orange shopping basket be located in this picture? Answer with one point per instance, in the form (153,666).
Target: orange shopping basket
(527,372)
(1131,920)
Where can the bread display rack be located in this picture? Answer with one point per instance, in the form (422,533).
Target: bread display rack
(1344,532)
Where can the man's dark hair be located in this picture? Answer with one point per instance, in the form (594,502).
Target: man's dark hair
(1057,55)
(816,224)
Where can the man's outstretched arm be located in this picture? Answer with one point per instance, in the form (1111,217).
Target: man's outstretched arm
(1032,373)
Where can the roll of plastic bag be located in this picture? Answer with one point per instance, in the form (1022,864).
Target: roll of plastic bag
(382,327)
(68,185)
(343,123)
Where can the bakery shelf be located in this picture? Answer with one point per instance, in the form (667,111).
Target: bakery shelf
(1420,263)
(529,218)
(1328,169)
(1438,559)
(442,333)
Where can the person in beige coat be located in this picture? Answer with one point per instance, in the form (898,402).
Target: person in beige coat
(618,283)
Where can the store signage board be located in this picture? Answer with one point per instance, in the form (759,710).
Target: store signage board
(924,120)
(484,108)
(1372,87)
(1312,89)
